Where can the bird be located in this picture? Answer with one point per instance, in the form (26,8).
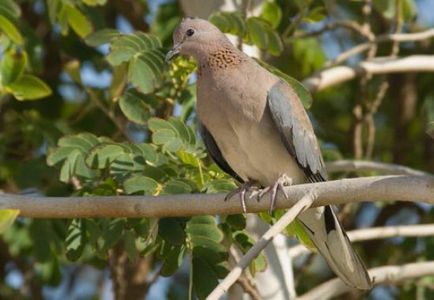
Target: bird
(256,129)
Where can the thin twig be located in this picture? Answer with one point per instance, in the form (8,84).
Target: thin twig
(372,106)
(246,278)
(376,233)
(249,288)
(381,275)
(304,203)
(362,96)
(354,26)
(397,37)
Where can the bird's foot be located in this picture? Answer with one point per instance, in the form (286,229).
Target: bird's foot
(280,184)
(242,191)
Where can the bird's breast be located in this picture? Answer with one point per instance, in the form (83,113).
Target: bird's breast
(236,115)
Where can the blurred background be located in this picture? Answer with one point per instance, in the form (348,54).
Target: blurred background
(81,72)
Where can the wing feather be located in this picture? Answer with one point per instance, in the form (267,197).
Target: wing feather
(215,153)
(296,130)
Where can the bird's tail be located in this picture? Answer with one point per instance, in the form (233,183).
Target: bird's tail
(326,233)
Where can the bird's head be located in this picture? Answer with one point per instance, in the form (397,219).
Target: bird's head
(196,37)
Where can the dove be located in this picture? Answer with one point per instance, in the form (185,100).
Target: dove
(256,129)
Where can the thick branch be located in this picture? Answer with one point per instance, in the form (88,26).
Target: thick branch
(274,230)
(363,165)
(377,233)
(377,188)
(381,275)
(339,74)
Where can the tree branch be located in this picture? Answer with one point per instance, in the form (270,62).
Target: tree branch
(376,188)
(351,25)
(376,233)
(304,203)
(395,37)
(336,75)
(381,275)
(363,165)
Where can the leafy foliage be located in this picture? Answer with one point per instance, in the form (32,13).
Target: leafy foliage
(254,30)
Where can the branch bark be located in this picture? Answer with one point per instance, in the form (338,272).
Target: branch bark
(363,165)
(376,188)
(304,203)
(377,233)
(381,275)
(336,75)
(395,37)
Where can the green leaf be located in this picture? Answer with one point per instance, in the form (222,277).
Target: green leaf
(176,187)
(102,155)
(388,8)
(75,239)
(295,228)
(134,107)
(129,238)
(219,186)
(272,13)
(155,124)
(119,56)
(182,130)
(229,22)
(94,2)
(204,277)
(275,44)
(302,92)
(208,231)
(163,136)
(10,9)
(82,141)
(67,170)
(53,8)
(316,15)
(140,183)
(112,233)
(8,28)
(245,242)
(101,37)
(237,222)
(81,169)
(148,153)
(59,154)
(12,65)
(170,230)
(143,73)
(257,33)
(172,260)
(7,218)
(78,21)
(29,87)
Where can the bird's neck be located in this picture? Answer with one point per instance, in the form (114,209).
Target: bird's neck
(220,59)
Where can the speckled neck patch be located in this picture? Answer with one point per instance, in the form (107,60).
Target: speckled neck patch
(222,59)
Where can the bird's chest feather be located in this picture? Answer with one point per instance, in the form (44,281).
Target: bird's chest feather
(235,113)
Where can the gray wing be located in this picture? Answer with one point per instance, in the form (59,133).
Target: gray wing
(321,225)
(296,130)
(215,152)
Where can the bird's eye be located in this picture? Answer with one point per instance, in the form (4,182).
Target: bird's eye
(189,32)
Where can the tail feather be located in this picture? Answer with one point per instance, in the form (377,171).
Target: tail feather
(326,232)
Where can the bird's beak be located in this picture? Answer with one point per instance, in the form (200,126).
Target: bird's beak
(173,52)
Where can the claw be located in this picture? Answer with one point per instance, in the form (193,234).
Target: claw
(241,190)
(280,184)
